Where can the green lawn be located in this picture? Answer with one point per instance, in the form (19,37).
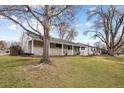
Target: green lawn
(75,71)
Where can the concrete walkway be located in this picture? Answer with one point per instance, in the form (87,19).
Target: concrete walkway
(120,63)
(4,54)
(116,62)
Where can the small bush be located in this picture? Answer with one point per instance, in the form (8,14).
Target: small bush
(15,50)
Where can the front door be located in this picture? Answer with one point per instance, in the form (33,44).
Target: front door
(77,50)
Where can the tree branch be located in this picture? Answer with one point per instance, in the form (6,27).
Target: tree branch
(20,24)
(56,14)
(32,27)
(30,10)
(120,39)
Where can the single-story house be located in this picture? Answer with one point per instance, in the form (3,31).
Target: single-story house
(3,47)
(31,43)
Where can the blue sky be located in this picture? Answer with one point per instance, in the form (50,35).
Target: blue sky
(10,32)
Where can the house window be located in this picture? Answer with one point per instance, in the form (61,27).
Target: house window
(58,45)
(94,49)
(82,48)
(69,47)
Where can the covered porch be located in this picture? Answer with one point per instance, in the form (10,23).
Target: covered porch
(62,49)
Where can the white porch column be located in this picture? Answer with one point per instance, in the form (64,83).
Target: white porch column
(28,50)
(80,51)
(88,50)
(62,49)
(72,50)
(80,48)
(32,46)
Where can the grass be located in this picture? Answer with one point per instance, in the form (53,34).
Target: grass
(76,71)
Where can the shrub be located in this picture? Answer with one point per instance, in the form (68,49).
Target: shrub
(15,50)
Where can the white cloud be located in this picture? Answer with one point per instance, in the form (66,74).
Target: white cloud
(12,26)
(14,17)
(101,21)
(93,8)
(88,24)
(6,38)
(76,25)
(2,38)
(2,17)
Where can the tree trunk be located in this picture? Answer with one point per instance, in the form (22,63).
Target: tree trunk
(46,39)
(46,56)
(111,52)
(46,46)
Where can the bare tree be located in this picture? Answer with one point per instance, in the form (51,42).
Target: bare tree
(62,30)
(108,24)
(99,44)
(66,32)
(47,16)
(71,34)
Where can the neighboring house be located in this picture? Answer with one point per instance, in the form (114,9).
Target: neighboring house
(3,47)
(31,43)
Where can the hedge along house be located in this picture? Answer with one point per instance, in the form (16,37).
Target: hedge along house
(31,43)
